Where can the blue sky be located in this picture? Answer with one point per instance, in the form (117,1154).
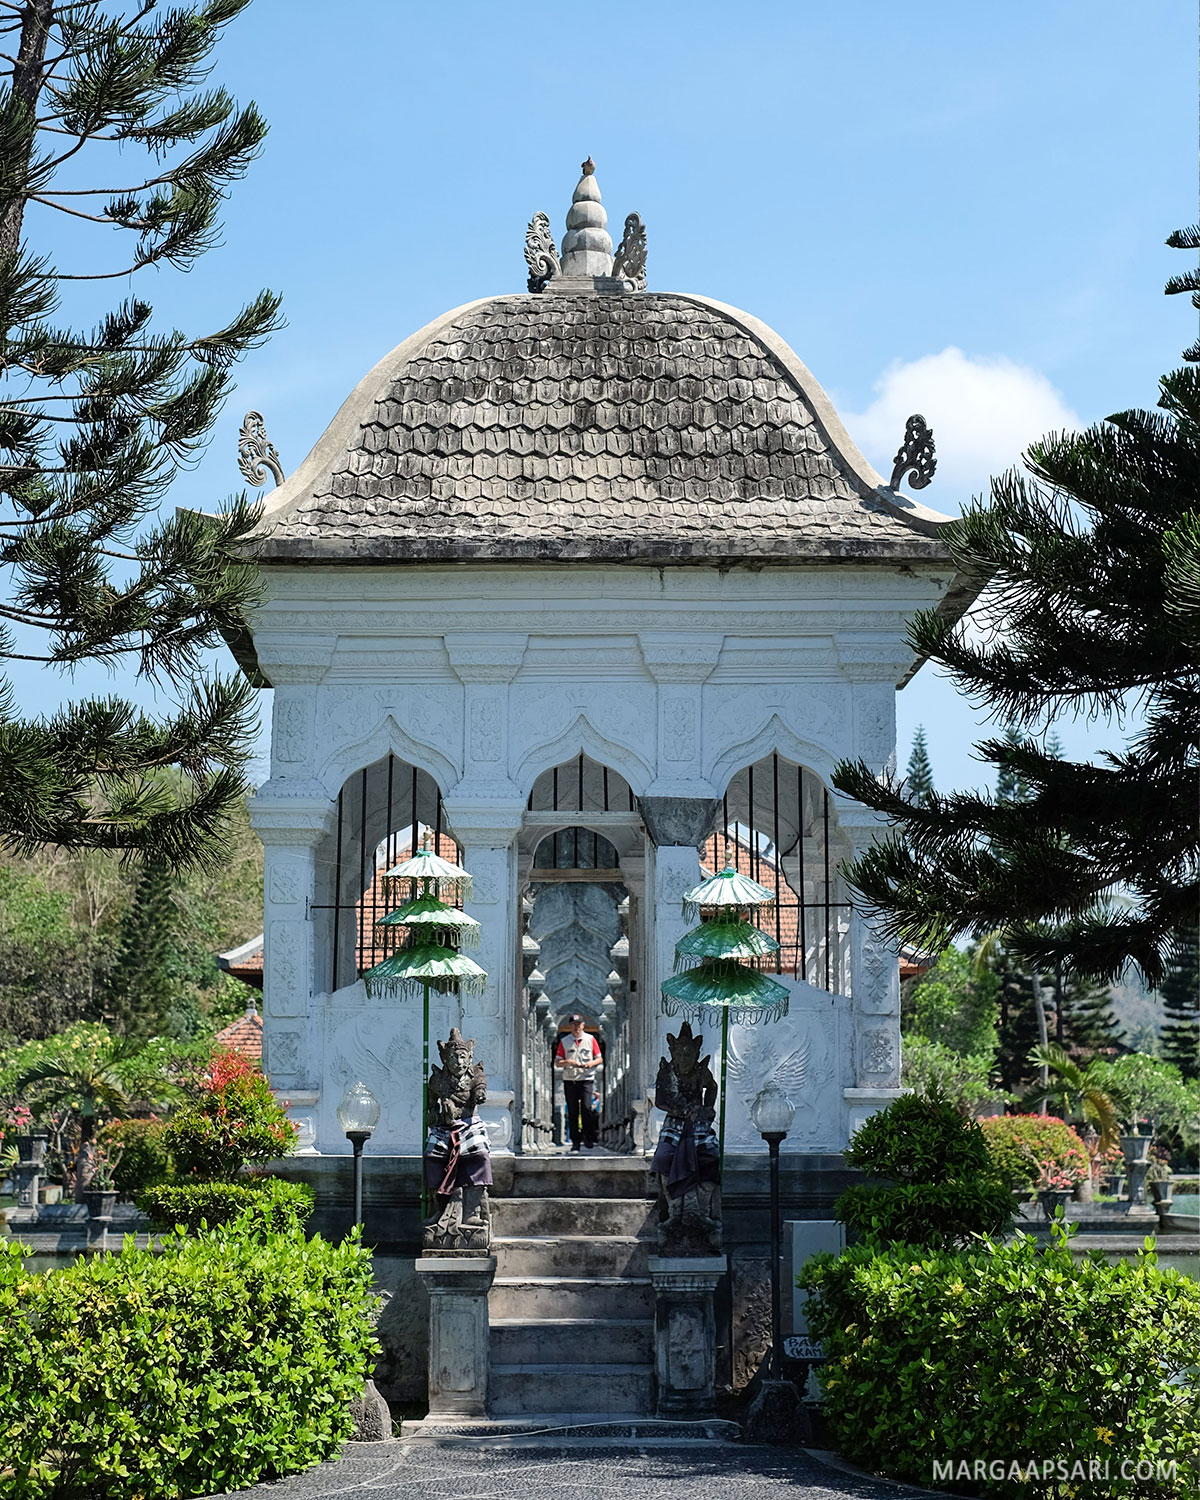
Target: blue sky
(947,208)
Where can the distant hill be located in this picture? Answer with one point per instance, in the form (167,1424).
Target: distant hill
(1136,1006)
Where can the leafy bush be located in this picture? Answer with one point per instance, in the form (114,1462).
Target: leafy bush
(931,1067)
(943,1188)
(271,1205)
(223,1361)
(1023,1147)
(233,1122)
(139,1149)
(1009,1352)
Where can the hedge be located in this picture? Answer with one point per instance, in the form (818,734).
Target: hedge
(1020,1144)
(1009,1353)
(224,1360)
(274,1206)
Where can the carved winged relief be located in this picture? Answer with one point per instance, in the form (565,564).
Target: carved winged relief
(629,263)
(540,255)
(753,1073)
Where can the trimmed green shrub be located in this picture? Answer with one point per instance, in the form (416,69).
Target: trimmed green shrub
(235,1121)
(942,1188)
(225,1360)
(139,1149)
(1012,1354)
(1023,1147)
(271,1205)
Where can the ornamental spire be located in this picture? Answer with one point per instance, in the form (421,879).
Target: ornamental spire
(587,247)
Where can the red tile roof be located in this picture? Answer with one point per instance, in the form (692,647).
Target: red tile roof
(244,1035)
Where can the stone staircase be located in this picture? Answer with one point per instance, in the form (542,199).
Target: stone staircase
(572,1307)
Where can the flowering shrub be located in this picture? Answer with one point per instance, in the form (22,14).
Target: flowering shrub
(1030,1149)
(1011,1351)
(233,1122)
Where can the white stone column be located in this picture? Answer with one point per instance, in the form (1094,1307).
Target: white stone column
(291,819)
(874,995)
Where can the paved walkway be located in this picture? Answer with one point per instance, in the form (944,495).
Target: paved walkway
(416,1471)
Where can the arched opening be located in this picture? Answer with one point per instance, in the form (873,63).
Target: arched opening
(583,850)
(383,811)
(779,826)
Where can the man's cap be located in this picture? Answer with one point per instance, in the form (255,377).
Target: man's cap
(573,1019)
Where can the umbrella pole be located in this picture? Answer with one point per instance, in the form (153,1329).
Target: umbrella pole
(724,1055)
(424,1097)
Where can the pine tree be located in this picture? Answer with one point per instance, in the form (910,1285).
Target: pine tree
(96,421)
(1083,571)
(144,985)
(1085,1020)
(1180,992)
(918,780)
(1010,785)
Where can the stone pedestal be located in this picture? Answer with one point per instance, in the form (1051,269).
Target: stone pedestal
(458,1286)
(685,1332)
(26,1176)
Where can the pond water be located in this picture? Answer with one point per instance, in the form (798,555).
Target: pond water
(1186,1203)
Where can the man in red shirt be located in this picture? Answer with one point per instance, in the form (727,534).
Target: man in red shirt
(578,1060)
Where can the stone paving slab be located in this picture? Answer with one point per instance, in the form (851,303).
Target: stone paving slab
(411,1471)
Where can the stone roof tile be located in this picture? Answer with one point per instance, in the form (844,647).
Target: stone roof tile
(638,426)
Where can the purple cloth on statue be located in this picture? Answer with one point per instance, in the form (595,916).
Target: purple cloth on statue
(449,1167)
(681,1160)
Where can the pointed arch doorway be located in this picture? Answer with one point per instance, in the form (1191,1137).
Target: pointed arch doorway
(582,894)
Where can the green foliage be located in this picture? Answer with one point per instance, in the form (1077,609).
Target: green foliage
(265,1205)
(233,1123)
(918,778)
(1088,572)
(97,420)
(954,1003)
(1022,1146)
(1007,1352)
(140,1151)
(1079,1091)
(932,1068)
(942,1188)
(1147,1088)
(1180,992)
(227,1359)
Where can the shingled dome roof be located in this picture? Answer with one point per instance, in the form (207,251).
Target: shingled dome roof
(590,420)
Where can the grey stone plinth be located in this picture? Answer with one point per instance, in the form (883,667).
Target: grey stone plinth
(684,822)
(777,1415)
(685,1332)
(26,1175)
(458,1287)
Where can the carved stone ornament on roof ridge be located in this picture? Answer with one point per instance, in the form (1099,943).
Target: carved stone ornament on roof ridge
(629,263)
(541,256)
(257,455)
(916,457)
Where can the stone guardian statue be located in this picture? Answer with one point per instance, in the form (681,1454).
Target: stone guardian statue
(458,1166)
(687,1161)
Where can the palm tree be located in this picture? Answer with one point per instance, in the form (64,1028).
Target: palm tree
(90,1078)
(1077,1091)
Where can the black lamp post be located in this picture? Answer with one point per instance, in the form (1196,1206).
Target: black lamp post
(358,1115)
(773,1113)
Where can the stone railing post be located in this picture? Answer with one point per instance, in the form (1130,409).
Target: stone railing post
(458,1287)
(685,1332)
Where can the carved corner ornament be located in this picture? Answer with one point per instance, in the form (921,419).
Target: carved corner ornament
(629,263)
(916,457)
(257,455)
(540,255)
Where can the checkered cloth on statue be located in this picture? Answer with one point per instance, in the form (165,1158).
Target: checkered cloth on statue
(457,1156)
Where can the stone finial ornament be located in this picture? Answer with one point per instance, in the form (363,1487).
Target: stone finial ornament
(587,247)
(629,263)
(916,454)
(257,455)
(458,1166)
(687,1160)
(541,256)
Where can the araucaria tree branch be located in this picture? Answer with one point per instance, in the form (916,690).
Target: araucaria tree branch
(1088,566)
(96,422)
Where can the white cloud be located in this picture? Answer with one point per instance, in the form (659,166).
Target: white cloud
(983,410)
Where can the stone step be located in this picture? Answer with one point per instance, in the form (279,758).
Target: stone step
(581,1176)
(570,1255)
(561,1341)
(591,1216)
(514,1390)
(567,1430)
(530,1298)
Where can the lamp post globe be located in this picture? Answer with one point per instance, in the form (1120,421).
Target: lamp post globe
(772,1113)
(358,1115)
